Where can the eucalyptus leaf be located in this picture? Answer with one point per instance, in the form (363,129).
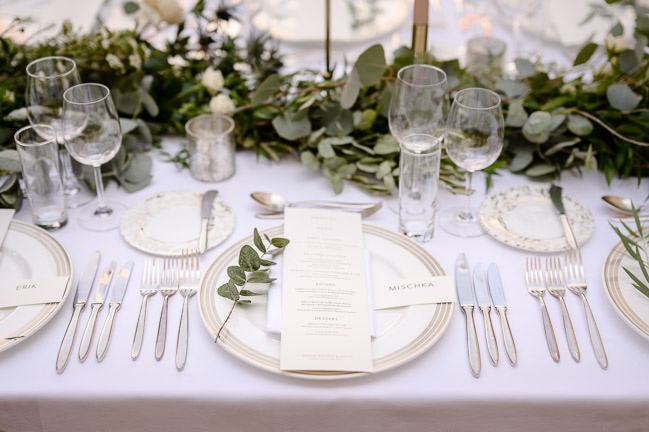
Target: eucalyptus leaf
(325,150)
(279,242)
(265,90)
(557,147)
(540,170)
(511,88)
(537,127)
(371,65)
(516,114)
(384,169)
(525,67)
(237,275)
(621,97)
(557,120)
(628,61)
(259,244)
(292,126)
(309,160)
(351,89)
(579,125)
(387,144)
(249,293)
(10,161)
(521,161)
(249,259)
(229,290)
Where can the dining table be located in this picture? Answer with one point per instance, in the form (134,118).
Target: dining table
(434,391)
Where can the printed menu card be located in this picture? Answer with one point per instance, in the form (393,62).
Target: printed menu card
(325,317)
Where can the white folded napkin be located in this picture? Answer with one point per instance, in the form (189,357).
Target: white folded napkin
(5,218)
(274,307)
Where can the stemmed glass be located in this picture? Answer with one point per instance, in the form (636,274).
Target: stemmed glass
(517,11)
(93,136)
(47,79)
(474,139)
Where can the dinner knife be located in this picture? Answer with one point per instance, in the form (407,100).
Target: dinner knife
(465,296)
(80,298)
(482,296)
(555,195)
(206,214)
(116,297)
(96,305)
(498,298)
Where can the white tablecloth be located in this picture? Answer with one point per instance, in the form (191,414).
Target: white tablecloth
(434,392)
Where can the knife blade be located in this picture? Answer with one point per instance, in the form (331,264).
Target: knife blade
(498,298)
(555,195)
(116,297)
(96,305)
(465,296)
(206,214)
(80,298)
(481,294)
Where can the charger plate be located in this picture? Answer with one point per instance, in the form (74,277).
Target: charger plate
(30,252)
(402,334)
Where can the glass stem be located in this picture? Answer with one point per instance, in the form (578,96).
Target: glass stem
(102,207)
(69,180)
(466,215)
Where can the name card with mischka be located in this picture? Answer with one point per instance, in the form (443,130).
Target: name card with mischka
(404,292)
(32,291)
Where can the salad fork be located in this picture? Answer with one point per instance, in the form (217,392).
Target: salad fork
(190,277)
(168,287)
(554,281)
(576,282)
(536,287)
(148,287)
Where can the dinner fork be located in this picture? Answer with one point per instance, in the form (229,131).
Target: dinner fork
(576,282)
(536,287)
(168,287)
(554,282)
(189,280)
(148,287)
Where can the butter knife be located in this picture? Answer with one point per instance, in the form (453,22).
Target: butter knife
(80,298)
(206,214)
(482,296)
(116,297)
(555,195)
(96,305)
(498,298)
(465,296)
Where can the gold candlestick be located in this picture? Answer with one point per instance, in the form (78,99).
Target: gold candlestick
(327,73)
(420,29)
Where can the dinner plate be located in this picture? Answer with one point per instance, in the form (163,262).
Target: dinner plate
(525,218)
(402,333)
(627,301)
(30,252)
(169,222)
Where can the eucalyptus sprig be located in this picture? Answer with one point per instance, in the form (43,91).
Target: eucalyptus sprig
(636,245)
(252,268)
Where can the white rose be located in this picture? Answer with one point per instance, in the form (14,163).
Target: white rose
(169,10)
(212,80)
(135,60)
(221,103)
(616,43)
(114,61)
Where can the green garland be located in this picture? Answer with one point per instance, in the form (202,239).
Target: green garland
(336,126)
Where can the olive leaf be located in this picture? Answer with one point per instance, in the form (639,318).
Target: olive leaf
(585,53)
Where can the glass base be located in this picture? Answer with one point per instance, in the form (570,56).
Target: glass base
(51,226)
(418,237)
(451,221)
(92,219)
(76,194)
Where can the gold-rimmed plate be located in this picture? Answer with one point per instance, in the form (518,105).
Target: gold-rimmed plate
(525,218)
(402,334)
(628,302)
(30,252)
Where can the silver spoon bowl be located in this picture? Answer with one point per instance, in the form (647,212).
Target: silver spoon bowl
(619,204)
(278,203)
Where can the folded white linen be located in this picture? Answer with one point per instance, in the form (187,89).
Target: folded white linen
(5,218)
(274,307)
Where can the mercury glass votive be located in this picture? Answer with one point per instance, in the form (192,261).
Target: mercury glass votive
(210,139)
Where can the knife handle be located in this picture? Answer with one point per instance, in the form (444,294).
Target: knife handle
(549,332)
(68,338)
(492,345)
(510,346)
(570,236)
(183,335)
(570,332)
(139,329)
(106,331)
(86,339)
(162,330)
(472,341)
(595,338)
(202,238)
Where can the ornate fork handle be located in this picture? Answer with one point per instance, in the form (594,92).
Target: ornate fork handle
(139,329)
(595,338)
(162,330)
(183,335)
(570,332)
(549,332)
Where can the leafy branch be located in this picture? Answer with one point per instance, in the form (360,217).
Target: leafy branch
(635,244)
(253,268)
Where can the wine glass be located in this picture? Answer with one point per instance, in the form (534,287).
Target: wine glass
(47,79)
(517,11)
(474,139)
(418,105)
(93,136)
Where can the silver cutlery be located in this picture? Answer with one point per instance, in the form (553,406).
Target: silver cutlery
(536,287)
(96,305)
(116,298)
(148,287)
(481,295)
(369,211)
(576,282)
(628,220)
(498,298)
(555,195)
(190,277)
(623,205)
(168,287)
(465,296)
(80,298)
(554,282)
(206,213)
(277,203)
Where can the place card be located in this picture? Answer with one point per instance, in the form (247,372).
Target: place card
(32,291)
(404,292)
(325,317)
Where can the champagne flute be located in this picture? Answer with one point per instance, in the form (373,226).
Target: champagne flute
(474,139)
(47,79)
(93,136)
